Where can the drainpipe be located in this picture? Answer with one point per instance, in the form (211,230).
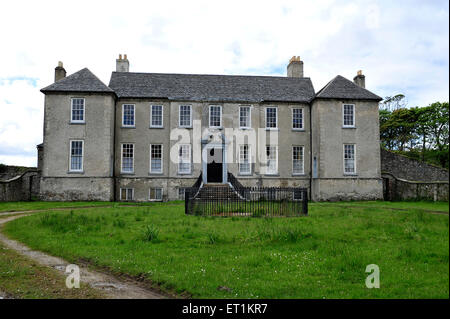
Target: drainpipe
(310,152)
(114,152)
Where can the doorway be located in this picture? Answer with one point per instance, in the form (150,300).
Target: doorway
(214,165)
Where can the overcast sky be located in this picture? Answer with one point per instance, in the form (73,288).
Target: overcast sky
(401,46)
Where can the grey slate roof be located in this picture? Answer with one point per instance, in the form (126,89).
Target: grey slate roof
(81,81)
(199,87)
(341,88)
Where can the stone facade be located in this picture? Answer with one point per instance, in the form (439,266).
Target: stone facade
(321,137)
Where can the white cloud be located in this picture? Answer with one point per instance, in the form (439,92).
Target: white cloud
(400,47)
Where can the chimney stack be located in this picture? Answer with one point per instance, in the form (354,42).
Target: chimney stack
(295,67)
(360,79)
(122,65)
(60,72)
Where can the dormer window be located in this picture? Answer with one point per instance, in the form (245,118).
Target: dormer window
(77,110)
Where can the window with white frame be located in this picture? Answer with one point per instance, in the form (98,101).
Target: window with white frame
(128,115)
(348,113)
(126,193)
(272,157)
(77,110)
(156,154)
(271,117)
(215,116)
(297,160)
(184,159)
(185,115)
(244,159)
(244,117)
(76,156)
(156,194)
(156,116)
(349,159)
(297,119)
(127,158)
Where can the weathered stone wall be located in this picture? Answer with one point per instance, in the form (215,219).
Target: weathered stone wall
(76,188)
(408,179)
(409,169)
(20,188)
(347,189)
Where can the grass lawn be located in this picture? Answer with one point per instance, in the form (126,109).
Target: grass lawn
(419,205)
(323,255)
(20,206)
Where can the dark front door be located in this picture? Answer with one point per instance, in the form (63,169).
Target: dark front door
(214,165)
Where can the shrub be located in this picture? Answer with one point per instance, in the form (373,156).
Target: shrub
(213,238)
(151,233)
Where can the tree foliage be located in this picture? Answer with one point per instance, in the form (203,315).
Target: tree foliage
(418,132)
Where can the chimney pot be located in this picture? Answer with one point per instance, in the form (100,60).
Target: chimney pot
(360,79)
(60,72)
(295,67)
(122,65)
(125,57)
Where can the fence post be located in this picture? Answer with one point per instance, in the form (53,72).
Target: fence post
(305,201)
(186,200)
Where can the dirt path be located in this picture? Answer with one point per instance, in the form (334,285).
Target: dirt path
(111,286)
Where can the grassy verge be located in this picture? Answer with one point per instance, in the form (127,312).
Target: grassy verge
(20,277)
(321,256)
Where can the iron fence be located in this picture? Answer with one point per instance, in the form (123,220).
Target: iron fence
(225,200)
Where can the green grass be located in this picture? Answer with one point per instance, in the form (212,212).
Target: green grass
(424,205)
(323,255)
(21,277)
(37,205)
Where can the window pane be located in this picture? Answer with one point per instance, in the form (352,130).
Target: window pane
(244,116)
(271,152)
(348,115)
(244,162)
(214,116)
(271,117)
(129,193)
(184,159)
(128,115)
(185,115)
(78,110)
(127,157)
(76,156)
(297,159)
(156,158)
(157,115)
(297,118)
(349,158)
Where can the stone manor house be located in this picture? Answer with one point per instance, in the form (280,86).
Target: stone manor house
(148,136)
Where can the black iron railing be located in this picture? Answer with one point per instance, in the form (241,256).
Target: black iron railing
(256,202)
(237,186)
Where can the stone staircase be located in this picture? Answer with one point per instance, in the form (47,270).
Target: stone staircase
(218,192)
